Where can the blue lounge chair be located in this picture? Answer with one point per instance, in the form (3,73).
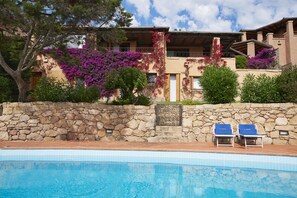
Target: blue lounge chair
(250,132)
(223,131)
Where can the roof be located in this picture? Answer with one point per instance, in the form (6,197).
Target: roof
(272,26)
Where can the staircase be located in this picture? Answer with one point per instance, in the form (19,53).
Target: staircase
(168,134)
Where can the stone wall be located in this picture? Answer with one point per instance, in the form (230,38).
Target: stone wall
(70,121)
(84,121)
(269,118)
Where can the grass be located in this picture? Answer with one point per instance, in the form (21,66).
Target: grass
(185,102)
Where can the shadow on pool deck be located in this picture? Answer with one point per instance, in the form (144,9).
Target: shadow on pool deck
(286,150)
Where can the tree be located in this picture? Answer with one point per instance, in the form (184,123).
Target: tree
(49,23)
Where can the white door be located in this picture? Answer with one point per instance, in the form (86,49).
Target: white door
(172,88)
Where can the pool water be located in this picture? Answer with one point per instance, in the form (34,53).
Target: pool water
(108,180)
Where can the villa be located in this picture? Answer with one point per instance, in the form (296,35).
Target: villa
(190,45)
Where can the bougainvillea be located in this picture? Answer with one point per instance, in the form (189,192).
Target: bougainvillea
(157,58)
(91,66)
(214,60)
(265,59)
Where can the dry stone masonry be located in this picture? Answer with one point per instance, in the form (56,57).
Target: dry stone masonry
(46,121)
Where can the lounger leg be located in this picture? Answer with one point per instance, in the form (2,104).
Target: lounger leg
(245,143)
(262,142)
(217,142)
(233,141)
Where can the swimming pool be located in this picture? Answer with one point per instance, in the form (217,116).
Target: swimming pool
(97,173)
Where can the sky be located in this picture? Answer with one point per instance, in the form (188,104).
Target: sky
(209,15)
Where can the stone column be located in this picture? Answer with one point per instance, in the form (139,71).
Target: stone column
(243,36)
(260,36)
(269,38)
(251,49)
(289,41)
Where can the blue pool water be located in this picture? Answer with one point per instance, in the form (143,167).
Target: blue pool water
(66,173)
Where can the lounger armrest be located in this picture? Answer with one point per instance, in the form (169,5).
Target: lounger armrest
(258,136)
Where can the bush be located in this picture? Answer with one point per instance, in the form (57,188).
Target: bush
(48,89)
(5,89)
(287,85)
(261,89)
(130,81)
(80,93)
(219,84)
(240,62)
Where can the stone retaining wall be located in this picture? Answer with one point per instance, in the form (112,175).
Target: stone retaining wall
(269,118)
(70,121)
(84,121)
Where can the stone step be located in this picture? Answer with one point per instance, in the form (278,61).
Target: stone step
(169,134)
(169,128)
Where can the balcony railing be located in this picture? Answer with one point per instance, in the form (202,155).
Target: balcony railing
(171,53)
(278,36)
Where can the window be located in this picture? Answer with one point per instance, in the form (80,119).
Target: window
(178,52)
(125,47)
(196,83)
(151,78)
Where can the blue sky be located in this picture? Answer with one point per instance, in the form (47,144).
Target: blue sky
(209,15)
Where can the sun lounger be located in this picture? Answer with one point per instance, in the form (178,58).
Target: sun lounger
(249,132)
(223,131)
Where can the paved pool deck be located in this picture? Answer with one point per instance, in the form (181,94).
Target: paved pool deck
(282,150)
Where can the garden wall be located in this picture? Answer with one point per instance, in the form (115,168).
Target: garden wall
(85,121)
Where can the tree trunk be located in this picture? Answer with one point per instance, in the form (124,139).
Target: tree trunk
(22,86)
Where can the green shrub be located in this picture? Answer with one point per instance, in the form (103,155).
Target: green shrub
(261,89)
(287,85)
(5,89)
(80,93)
(48,89)
(240,62)
(219,84)
(143,100)
(130,82)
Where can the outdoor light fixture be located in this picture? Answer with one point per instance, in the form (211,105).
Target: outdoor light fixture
(283,132)
(108,131)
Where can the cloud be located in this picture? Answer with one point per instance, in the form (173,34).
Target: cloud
(214,15)
(142,7)
(135,23)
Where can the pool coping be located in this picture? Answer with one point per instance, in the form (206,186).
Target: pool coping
(273,150)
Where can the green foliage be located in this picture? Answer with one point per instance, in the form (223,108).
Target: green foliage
(287,85)
(240,62)
(219,84)
(5,90)
(142,100)
(50,24)
(192,102)
(130,81)
(80,93)
(260,89)
(48,89)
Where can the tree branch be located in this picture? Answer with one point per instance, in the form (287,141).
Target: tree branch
(4,65)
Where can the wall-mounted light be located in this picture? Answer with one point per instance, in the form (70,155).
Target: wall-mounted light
(108,131)
(283,132)
(279,43)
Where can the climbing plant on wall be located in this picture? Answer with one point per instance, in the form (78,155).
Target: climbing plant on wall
(215,59)
(91,66)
